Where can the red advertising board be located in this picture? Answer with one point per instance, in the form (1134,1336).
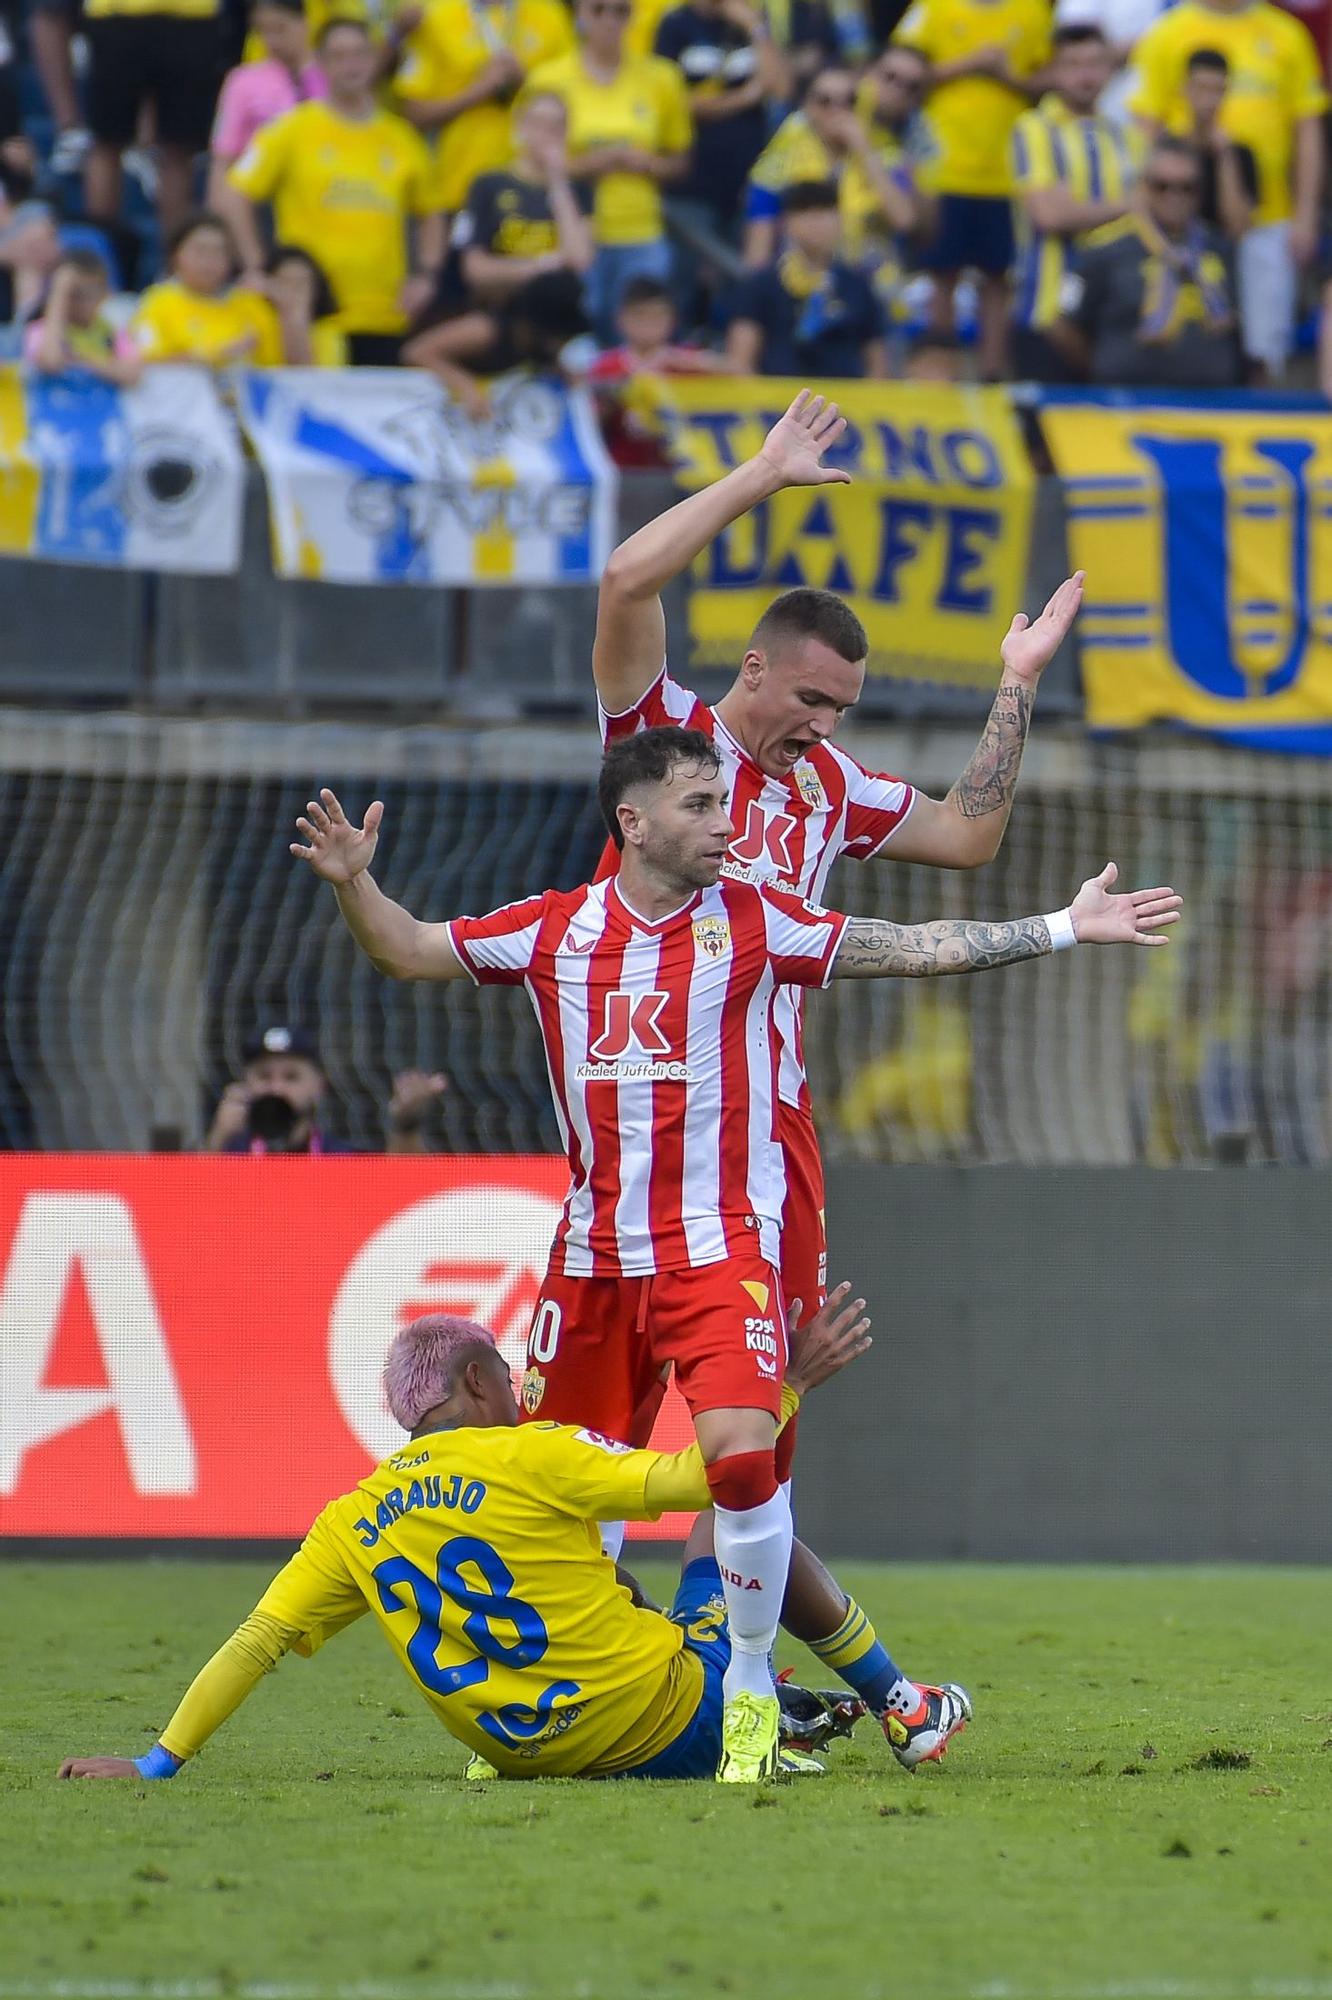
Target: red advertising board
(190,1346)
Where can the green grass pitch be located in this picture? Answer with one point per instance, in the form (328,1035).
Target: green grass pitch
(1143,1807)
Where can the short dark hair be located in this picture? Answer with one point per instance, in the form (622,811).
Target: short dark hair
(336,21)
(1173,148)
(325,305)
(812,614)
(1074,33)
(645,291)
(1212,59)
(802,196)
(648,758)
(200,218)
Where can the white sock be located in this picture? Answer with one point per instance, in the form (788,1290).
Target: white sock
(753,1546)
(612,1538)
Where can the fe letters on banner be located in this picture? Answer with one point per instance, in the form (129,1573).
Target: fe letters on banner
(1206,535)
(928,545)
(375,476)
(147,478)
(191,1345)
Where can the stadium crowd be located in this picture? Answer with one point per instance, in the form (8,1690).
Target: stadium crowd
(1121,191)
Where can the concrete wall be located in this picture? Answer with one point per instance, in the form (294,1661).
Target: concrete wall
(1099,1364)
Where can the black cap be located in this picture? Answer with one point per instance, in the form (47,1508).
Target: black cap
(279,1040)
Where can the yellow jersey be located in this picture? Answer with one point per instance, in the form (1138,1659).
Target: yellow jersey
(478,1553)
(796,153)
(647,105)
(181,10)
(173,323)
(973,116)
(1275,81)
(449,50)
(343,189)
(1094,160)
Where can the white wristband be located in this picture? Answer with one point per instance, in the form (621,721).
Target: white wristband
(1060,926)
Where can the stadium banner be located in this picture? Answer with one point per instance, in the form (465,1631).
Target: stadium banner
(150,478)
(1205,527)
(190,1346)
(928,544)
(375,476)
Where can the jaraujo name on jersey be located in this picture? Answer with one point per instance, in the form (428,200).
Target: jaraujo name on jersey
(788,831)
(662,1061)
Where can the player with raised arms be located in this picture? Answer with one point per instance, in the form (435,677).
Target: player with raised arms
(654,991)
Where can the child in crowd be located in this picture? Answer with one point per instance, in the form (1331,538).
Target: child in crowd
(199,313)
(646,322)
(306,310)
(74,330)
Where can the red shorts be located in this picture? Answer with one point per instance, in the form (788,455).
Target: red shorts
(600,1349)
(804,1230)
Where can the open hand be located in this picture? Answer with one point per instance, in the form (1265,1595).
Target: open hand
(835,1337)
(415,1095)
(338,851)
(795,445)
(1029,646)
(1138,918)
(97,1767)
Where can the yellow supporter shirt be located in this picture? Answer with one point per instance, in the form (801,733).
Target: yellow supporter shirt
(648,106)
(175,324)
(478,1553)
(973,116)
(181,10)
(1093,160)
(449,50)
(1275,81)
(796,153)
(343,189)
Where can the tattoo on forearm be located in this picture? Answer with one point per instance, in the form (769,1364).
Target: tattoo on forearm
(924,951)
(988,783)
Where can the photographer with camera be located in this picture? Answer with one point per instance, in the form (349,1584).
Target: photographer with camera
(274,1106)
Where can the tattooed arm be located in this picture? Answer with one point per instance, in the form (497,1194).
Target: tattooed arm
(967,828)
(872,949)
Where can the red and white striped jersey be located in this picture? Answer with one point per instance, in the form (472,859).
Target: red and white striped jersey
(788,831)
(662,1061)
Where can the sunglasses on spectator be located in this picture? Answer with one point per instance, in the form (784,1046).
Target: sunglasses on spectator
(1160,186)
(844,100)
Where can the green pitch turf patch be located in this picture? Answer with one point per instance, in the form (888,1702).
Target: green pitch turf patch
(1142,1808)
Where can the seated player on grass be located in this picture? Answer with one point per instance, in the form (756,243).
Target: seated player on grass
(477,1548)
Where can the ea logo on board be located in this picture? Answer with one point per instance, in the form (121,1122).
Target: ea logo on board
(479,1251)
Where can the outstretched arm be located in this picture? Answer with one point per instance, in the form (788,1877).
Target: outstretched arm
(966,829)
(396,943)
(631,625)
(874,950)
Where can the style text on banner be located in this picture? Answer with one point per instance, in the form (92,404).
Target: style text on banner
(928,544)
(374,476)
(1206,535)
(147,478)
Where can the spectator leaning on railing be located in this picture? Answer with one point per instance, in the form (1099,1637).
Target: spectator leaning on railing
(810,312)
(274,1106)
(986,55)
(646,322)
(463,64)
(629,137)
(74,331)
(1275,105)
(1072,171)
(255,93)
(1155,305)
(200,313)
(529,329)
(353,185)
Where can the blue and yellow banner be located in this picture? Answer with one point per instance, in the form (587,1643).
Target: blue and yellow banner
(928,544)
(1205,530)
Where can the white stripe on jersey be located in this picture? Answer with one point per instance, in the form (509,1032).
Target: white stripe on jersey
(702,1157)
(585,930)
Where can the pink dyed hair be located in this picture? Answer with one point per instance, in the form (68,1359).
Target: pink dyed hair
(419,1366)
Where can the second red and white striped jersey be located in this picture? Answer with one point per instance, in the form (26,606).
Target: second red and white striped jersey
(788,831)
(662,1061)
